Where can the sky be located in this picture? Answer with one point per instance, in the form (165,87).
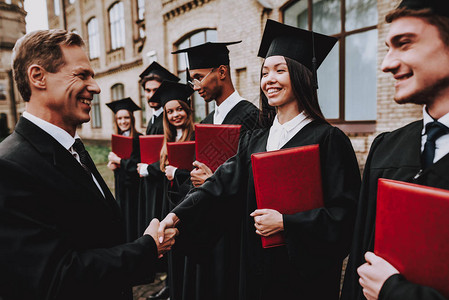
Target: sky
(37,14)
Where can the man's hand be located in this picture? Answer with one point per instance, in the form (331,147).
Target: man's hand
(169,234)
(169,221)
(112,166)
(170,172)
(373,275)
(199,175)
(114,158)
(267,221)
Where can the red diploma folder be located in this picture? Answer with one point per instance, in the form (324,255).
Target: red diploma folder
(150,148)
(288,181)
(122,145)
(216,143)
(412,232)
(181,154)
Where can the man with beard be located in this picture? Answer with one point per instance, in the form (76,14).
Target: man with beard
(418,58)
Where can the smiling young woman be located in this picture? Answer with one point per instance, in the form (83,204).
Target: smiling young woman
(317,241)
(126,178)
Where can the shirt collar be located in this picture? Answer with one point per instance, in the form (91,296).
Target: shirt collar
(59,134)
(157,112)
(427,119)
(178,134)
(292,124)
(225,107)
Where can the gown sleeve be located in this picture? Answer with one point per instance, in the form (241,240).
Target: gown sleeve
(396,287)
(323,236)
(129,166)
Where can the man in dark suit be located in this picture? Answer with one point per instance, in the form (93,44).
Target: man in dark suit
(418,58)
(61,231)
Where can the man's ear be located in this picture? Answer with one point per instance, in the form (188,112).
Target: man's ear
(36,76)
(223,72)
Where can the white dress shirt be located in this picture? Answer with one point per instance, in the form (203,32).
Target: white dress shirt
(442,143)
(156,113)
(61,136)
(225,107)
(280,134)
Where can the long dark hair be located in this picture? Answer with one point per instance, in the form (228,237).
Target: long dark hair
(303,90)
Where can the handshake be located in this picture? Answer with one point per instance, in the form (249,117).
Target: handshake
(163,233)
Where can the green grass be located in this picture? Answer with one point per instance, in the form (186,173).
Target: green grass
(99,155)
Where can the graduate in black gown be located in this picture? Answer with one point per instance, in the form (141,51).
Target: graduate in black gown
(418,58)
(126,177)
(178,127)
(209,70)
(152,179)
(317,241)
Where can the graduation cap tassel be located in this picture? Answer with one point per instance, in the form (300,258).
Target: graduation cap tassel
(314,63)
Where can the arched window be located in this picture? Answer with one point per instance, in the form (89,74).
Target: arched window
(347,78)
(56,7)
(117,91)
(209,35)
(93,37)
(117,25)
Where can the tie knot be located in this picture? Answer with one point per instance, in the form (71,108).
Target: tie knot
(435,129)
(78,146)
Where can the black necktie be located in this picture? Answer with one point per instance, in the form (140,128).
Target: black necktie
(78,146)
(434,130)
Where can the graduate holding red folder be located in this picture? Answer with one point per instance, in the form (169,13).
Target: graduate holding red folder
(317,240)
(122,145)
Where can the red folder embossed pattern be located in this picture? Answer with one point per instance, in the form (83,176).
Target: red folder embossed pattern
(288,181)
(412,232)
(181,154)
(216,143)
(150,148)
(122,145)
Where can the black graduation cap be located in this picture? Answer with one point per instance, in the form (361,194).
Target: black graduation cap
(169,90)
(295,43)
(125,103)
(156,69)
(207,55)
(438,7)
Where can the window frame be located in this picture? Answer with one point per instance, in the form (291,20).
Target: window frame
(97,35)
(120,23)
(362,125)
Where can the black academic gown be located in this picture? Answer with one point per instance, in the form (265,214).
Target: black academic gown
(395,155)
(157,127)
(60,238)
(309,266)
(127,189)
(211,276)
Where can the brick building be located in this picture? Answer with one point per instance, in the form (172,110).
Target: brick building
(12,27)
(125,36)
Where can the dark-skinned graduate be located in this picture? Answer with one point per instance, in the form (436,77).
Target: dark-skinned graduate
(317,241)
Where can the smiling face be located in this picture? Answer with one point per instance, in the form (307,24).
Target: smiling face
(176,115)
(275,82)
(69,91)
(209,89)
(416,57)
(123,119)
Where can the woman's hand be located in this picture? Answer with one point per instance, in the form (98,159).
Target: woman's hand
(267,221)
(170,172)
(114,158)
(112,166)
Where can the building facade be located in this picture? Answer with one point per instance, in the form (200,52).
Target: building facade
(12,27)
(124,36)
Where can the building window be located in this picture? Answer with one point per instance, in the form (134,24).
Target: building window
(2,92)
(56,7)
(93,37)
(347,78)
(117,25)
(143,106)
(72,1)
(117,91)
(8,1)
(96,113)
(210,35)
(141,9)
